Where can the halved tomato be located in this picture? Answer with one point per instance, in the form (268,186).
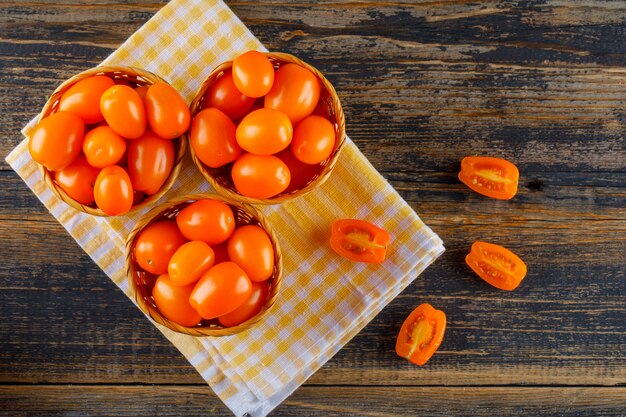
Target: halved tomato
(359,241)
(497,265)
(493,177)
(421,334)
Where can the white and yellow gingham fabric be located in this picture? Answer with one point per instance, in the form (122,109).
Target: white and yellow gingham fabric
(324,300)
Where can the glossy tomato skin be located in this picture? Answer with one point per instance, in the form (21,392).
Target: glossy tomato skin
(168,114)
(221,290)
(213,138)
(253,74)
(264,132)
(493,177)
(313,140)
(359,240)
(156,245)
(496,265)
(83,98)
(113,191)
(190,262)
(103,147)
(251,248)
(210,221)
(224,95)
(295,92)
(124,111)
(421,334)
(260,176)
(301,174)
(173,301)
(56,140)
(150,162)
(250,308)
(78,180)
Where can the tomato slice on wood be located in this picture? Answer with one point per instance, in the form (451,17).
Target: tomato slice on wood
(493,177)
(497,265)
(359,241)
(421,334)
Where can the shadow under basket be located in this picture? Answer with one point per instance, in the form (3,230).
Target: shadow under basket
(220,178)
(142,282)
(134,77)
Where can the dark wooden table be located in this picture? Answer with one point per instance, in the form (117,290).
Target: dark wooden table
(542,83)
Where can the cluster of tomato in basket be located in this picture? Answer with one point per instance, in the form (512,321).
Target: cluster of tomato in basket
(206,267)
(270,124)
(110,143)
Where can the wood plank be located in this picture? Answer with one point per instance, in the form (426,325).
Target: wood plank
(103,400)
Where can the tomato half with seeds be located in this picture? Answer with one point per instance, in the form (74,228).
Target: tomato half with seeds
(78,179)
(251,248)
(260,176)
(103,147)
(173,301)
(359,240)
(57,140)
(224,95)
(124,111)
(295,92)
(167,113)
(253,74)
(221,290)
(150,161)
(209,220)
(83,98)
(113,191)
(421,334)
(497,265)
(156,245)
(190,262)
(493,177)
(250,308)
(213,139)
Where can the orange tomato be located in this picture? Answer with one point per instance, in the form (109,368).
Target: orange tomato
(113,191)
(156,245)
(190,262)
(213,138)
(124,111)
(56,140)
(250,308)
(224,95)
(150,162)
(313,140)
(251,248)
(253,74)
(359,240)
(493,177)
(301,173)
(168,114)
(173,301)
(421,334)
(103,147)
(78,179)
(497,265)
(264,132)
(295,92)
(221,289)
(260,176)
(210,221)
(83,98)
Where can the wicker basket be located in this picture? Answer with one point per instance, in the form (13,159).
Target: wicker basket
(141,282)
(135,77)
(221,179)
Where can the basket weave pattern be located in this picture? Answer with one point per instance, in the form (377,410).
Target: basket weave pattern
(141,282)
(135,77)
(220,178)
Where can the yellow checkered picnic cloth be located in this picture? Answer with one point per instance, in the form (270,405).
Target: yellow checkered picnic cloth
(324,300)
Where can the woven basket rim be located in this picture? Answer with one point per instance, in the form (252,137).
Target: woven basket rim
(156,214)
(139,76)
(278,58)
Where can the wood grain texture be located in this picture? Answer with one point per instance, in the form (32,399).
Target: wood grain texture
(423,84)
